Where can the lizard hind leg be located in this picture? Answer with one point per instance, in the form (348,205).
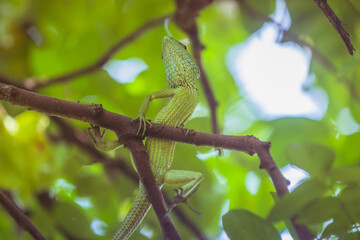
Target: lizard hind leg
(190,182)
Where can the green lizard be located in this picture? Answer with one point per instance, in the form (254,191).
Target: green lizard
(181,74)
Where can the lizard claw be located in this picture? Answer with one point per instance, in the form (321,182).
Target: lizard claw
(189,131)
(179,198)
(96,135)
(142,122)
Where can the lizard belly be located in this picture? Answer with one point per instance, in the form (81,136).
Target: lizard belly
(161,155)
(174,114)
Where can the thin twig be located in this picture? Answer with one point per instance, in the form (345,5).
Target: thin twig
(20,218)
(321,58)
(197,49)
(32,85)
(185,17)
(337,24)
(72,136)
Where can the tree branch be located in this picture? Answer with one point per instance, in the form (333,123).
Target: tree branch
(122,125)
(336,22)
(20,218)
(141,161)
(321,58)
(185,17)
(60,108)
(82,140)
(197,48)
(33,85)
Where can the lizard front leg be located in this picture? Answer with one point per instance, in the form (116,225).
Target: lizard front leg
(145,106)
(190,181)
(98,139)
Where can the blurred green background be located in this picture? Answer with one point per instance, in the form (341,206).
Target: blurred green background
(68,197)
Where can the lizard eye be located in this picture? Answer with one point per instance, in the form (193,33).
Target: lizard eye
(183,46)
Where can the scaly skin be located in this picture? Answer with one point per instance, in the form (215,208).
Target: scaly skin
(181,73)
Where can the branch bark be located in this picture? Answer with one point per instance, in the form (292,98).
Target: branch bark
(337,23)
(82,140)
(185,17)
(122,125)
(20,218)
(141,160)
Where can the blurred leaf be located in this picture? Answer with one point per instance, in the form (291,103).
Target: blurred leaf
(313,158)
(346,174)
(319,211)
(289,130)
(350,198)
(264,7)
(38,40)
(294,202)
(339,227)
(350,193)
(287,222)
(242,224)
(73,221)
(352,235)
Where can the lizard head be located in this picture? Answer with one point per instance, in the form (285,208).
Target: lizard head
(180,67)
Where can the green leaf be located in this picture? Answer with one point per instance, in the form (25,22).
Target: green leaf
(350,173)
(292,203)
(350,198)
(242,224)
(295,130)
(338,227)
(350,193)
(287,222)
(320,211)
(316,159)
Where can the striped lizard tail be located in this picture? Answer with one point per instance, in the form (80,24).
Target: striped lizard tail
(135,215)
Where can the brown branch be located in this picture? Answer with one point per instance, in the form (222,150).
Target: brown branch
(197,48)
(20,218)
(82,140)
(185,220)
(321,58)
(141,161)
(337,23)
(122,125)
(33,85)
(61,108)
(79,139)
(185,17)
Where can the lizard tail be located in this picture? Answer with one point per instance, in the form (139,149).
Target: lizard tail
(135,215)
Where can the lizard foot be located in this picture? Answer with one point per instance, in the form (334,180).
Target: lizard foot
(189,131)
(96,136)
(179,198)
(186,131)
(142,122)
